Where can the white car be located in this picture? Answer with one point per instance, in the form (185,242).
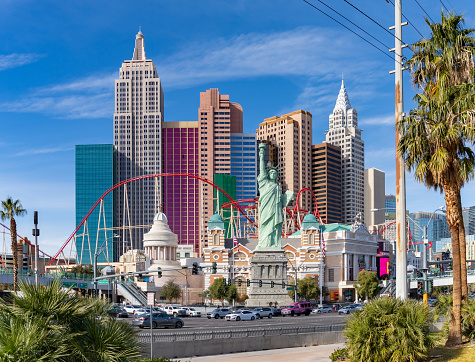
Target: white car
(192,312)
(130,309)
(241,315)
(322,310)
(174,311)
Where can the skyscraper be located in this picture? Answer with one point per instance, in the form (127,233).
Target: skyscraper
(95,174)
(218,118)
(138,121)
(344,132)
(326,181)
(291,134)
(437,227)
(244,164)
(468,214)
(181,194)
(374,198)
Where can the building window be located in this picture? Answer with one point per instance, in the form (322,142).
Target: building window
(311,239)
(216,239)
(331,275)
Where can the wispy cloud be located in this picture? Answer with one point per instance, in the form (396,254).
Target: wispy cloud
(383,120)
(14,60)
(44,150)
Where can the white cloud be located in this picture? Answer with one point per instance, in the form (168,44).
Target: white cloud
(44,150)
(17,60)
(382,120)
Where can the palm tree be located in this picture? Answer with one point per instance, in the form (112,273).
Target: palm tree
(10,210)
(436,134)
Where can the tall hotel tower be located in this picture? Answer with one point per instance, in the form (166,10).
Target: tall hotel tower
(344,133)
(138,121)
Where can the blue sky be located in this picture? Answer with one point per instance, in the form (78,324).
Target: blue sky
(59,59)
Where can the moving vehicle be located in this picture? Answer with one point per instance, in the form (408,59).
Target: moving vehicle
(131,308)
(347,309)
(173,310)
(241,315)
(297,308)
(263,312)
(158,320)
(192,312)
(218,313)
(322,310)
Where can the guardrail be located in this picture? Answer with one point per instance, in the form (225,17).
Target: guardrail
(240,333)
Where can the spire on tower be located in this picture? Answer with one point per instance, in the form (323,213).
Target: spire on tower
(342,102)
(139,51)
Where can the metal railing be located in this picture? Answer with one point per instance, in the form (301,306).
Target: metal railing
(135,291)
(61,275)
(240,333)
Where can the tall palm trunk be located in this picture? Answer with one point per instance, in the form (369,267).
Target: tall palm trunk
(453,218)
(463,249)
(14,252)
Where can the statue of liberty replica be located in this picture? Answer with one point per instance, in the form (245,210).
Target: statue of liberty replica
(268,263)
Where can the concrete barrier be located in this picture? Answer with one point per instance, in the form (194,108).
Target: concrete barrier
(182,345)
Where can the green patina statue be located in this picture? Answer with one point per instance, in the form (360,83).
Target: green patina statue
(271,204)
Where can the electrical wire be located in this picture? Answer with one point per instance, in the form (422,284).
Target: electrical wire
(407,19)
(367,41)
(320,1)
(417,2)
(444,6)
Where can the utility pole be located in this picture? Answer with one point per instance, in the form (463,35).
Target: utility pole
(401,242)
(424,266)
(36,233)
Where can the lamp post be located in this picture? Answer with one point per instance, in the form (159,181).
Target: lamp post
(96,255)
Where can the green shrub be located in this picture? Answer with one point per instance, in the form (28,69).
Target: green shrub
(389,329)
(468,318)
(340,354)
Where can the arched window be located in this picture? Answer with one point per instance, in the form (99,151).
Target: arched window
(289,255)
(216,239)
(311,239)
(240,256)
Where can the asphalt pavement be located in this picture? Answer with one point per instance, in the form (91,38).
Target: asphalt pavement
(298,354)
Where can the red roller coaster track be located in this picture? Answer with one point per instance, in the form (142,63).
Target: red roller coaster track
(137,179)
(410,236)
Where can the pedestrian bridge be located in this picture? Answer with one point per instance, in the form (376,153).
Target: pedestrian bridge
(442,279)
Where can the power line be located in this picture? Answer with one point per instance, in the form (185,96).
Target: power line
(444,6)
(353,23)
(374,21)
(417,2)
(324,13)
(410,23)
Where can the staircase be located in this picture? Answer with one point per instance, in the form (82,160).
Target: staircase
(132,293)
(389,290)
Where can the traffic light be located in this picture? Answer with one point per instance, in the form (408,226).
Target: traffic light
(239,282)
(159,273)
(419,288)
(283,285)
(194,270)
(430,286)
(272,284)
(224,282)
(260,283)
(249,282)
(229,282)
(214,266)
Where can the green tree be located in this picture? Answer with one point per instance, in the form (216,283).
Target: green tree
(82,269)
(389,329)
(231,294)
(437,135)
(48,323)
(170,290)
(218,290)
(308,288)
(10,209)
(367,284)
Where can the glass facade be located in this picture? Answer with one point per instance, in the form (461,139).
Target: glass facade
(436,229)
(95,174)
(244,164)
(228,184)
(181,193)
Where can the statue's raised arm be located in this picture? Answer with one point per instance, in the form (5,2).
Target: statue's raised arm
(262,151)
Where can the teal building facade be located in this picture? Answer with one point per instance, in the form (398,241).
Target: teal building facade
(94,174)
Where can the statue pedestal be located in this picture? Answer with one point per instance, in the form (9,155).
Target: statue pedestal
(268,266)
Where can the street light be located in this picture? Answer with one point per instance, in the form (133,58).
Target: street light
(296,268)
(101,249)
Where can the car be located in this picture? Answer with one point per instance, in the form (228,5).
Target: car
(241,315)
(347,309)
(192,312)
(131,308)
(218,313)
(263,312)
(297,308)
(141,311)
(175,311)
(276,312)
(158,320)
(322,310)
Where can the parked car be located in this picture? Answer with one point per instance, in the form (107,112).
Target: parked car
(242,315)
(218,313)
(131,308)
(322,310)
(276,312)
(263,312)
(297,308)
(173,310)
(192,312)
(347,309)
(158,320)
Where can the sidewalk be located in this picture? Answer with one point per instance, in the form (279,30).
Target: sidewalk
(297,354)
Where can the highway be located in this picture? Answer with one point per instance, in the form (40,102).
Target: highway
(205,324)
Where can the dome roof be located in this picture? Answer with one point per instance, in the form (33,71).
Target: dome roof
(160,232)
(216,218)
(216,221)
(308,221)
(160,216)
